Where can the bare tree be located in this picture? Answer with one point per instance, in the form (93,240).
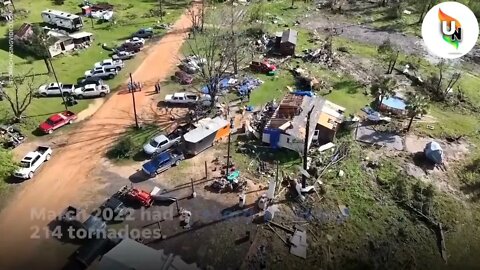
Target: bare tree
(214,48)
(389,54)
(237,18)
(19,98)
(160,6)
(436,83)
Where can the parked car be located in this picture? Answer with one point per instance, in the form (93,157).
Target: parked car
(53,89)
(162,162)
(135,40)
(123,55)
(90,80)
(110,63)
(129,47)
(185,98)
(71,218)
(57,121)
(143,33)
(101,72)
(262,67)
(159,144)
(91,90)
(32,161)
(192,64)
(182,77)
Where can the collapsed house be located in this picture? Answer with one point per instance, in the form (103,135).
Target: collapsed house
(66,42)
(287,126)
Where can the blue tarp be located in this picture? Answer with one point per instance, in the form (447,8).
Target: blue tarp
(433,151)
(274,137)
(303,93)
(395,103)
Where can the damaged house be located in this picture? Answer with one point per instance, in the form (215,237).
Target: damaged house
(287,126)
(286,41)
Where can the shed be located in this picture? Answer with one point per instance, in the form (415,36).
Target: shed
(129,254)
(61,45)
(288,42)
(207,132)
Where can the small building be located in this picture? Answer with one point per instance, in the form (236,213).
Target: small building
(66,42)
(207,131)
(24,32)
(129,254)
(286,42)
(287,126)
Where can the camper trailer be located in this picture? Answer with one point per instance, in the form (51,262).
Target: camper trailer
(206,133)
(62,19)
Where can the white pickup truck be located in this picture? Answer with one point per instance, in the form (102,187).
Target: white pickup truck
(32,161)
(101,72)
(53,89)
(91,90)
(110,63)
(185,98)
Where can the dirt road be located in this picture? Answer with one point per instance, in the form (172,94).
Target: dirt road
(67,178)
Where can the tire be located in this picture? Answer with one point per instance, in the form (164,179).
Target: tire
(50,131)
(47,158)
(111,76)
(30,175)
(119,68)
(70,122)
(177,162)
(43,94)
(102,94)
(80,96)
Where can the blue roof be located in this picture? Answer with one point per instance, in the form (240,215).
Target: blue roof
(395,103)
(152,165)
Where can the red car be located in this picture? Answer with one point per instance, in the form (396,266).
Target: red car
(262,67)
(57,121)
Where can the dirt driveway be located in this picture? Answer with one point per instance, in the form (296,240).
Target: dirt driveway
(68,176)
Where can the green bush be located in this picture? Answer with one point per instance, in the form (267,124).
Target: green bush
(123,149)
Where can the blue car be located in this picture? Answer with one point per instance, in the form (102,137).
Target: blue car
(162,162)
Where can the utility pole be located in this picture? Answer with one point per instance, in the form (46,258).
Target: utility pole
(305,149)
(55,74)
(228,148)
(131,88)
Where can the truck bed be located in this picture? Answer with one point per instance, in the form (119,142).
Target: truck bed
(42,149)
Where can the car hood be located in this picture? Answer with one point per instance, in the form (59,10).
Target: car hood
(168,97)
(45,126)
(22,171)
(149,149)
(97,64)
(150,167)
(88,72)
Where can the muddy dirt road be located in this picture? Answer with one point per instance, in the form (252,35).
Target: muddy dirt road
(67,177)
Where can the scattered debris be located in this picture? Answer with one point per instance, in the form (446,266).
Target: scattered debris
(298,243)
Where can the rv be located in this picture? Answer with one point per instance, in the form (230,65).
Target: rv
(62,19)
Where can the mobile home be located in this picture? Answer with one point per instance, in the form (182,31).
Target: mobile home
(207,132)
(62,19)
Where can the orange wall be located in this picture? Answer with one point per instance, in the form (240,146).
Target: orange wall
(223,132)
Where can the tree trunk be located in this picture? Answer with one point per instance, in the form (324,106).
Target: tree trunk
(13,5)
(380,101)
(160,3)
(293,3)
(410,123)
(49,68)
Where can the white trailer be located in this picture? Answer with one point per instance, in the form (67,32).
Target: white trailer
(62,19)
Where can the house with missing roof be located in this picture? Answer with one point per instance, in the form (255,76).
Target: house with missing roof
(287,126)
(65,42)
(286,41)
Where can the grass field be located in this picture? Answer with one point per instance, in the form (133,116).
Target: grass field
(128,19)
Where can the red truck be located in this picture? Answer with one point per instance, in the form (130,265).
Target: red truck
(57,121)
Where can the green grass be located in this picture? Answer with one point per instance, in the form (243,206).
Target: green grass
(136,139)
(129,18)
(273,87)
